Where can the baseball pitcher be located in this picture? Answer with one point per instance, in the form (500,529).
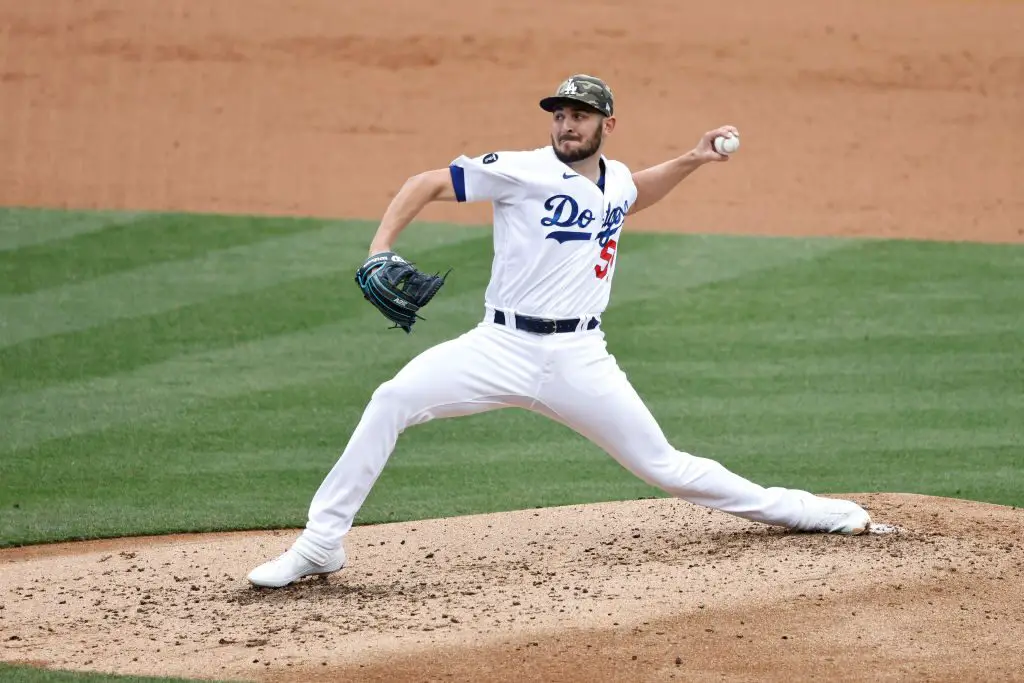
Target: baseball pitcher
(559,212)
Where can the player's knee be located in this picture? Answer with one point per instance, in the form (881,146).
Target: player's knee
(654,467)
(668,467)
(390,393)
(399,397)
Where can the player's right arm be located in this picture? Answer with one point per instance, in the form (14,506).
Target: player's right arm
(484,178)
(652,184)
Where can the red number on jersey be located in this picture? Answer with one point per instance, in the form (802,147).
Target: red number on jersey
(608,256)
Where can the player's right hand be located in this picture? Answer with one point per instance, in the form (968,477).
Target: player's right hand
(705,150)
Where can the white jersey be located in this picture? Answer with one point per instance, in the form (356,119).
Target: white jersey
(555,231)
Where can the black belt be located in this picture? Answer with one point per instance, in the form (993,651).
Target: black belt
(544,325)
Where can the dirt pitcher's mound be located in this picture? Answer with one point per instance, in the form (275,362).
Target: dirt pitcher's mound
(644,590)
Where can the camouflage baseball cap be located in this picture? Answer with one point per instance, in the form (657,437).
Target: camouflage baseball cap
(584,89)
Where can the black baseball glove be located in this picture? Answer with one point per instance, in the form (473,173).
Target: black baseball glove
(396,288)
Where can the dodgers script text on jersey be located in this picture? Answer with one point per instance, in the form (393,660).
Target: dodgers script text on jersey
(555,232)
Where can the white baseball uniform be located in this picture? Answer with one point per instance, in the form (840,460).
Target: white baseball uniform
(556,235)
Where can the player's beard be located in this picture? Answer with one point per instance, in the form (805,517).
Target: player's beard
(584,151)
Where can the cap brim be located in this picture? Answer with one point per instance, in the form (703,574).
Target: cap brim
(554,102)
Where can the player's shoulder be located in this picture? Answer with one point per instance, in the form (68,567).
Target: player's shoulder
(505,159)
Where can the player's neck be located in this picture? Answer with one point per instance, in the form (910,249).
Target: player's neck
(589,167)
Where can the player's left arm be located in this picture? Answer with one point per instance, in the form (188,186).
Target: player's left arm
(652,184)
(412,198)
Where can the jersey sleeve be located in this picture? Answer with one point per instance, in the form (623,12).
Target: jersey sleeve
(492,177)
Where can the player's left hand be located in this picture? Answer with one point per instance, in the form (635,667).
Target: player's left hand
(396,288)
(705,151)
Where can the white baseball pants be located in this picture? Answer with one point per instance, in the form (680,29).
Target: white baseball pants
(570,378)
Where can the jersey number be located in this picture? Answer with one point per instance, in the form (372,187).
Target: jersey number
(608,256)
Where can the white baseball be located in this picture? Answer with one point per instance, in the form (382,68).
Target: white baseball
(727,144)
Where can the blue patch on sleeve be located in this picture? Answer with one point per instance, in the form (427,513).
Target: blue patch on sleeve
(458,182)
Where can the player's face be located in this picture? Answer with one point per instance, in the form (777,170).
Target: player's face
(576,134)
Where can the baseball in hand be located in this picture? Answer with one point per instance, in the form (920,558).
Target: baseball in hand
(727,144)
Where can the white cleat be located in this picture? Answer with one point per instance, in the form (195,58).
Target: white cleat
(835,516)
(290,567)
(852,523)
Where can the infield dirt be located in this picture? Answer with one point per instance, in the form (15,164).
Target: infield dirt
(858,117)
(641,590)
(868,118)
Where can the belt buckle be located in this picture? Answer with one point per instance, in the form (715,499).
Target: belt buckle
(552,323)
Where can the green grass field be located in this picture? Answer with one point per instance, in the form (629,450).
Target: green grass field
(163,373)
(19,674)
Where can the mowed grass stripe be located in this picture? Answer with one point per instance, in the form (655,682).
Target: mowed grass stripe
(161,391)
(983,473)
(152,289)
(265,475)
(888,362)
(225,321)
(823,400)
(884,287)
(146,240)
(153,390)
(775,441)
(26,674)
(661,268)
(891,356)
(21,228)
(309,301)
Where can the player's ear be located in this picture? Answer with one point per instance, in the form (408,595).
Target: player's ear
(609,124)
